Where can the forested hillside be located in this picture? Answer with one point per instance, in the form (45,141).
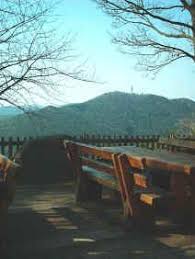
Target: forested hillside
(112,113)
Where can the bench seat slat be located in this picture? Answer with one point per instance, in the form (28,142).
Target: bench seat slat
(152,195)
(100,177)
(104,182)
(141,180)
(98,165)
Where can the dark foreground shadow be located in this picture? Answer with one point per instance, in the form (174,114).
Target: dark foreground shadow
(81,232)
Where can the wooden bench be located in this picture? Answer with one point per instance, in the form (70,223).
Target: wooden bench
(95,167)
(140,197)
(9,172)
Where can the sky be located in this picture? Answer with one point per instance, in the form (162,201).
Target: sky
(105,64)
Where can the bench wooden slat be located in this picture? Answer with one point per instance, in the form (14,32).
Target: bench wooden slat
(136,162)
(100,177)
(141,180)
(165,166)
(98,165)
(100,174)
(151,196)
(88,150)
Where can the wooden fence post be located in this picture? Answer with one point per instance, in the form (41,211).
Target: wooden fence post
(3,145)
(10,147)
(17,144)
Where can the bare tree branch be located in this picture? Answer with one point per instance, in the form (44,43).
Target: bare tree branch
(32,53)
(154,28)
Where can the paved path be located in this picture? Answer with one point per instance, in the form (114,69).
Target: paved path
(46,223)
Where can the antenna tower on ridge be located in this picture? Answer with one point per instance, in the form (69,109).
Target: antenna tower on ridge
(132,89)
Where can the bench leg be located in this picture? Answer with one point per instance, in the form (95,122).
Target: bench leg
(143,218)
(180,206)
(192,202)
(193,193)
(3,228)
(87,190)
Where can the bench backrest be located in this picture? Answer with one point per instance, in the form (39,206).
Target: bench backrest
(134,167)
(97,163)
(132,175)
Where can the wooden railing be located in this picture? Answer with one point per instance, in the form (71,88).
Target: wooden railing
(11,145)
(98,140)
(186,145)
(182,137)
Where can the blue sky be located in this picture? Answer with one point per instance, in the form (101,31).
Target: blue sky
(115,70)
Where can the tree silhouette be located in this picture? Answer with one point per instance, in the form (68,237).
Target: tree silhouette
(32,53)
(157,32)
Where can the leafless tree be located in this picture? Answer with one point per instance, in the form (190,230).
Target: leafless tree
(158,32)
(32,54)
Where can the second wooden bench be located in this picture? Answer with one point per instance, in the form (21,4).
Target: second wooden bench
(95,168)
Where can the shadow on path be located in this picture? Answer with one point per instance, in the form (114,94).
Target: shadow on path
(57,228)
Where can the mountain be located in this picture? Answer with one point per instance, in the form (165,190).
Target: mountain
(111,113)
(10,111)
(7,111)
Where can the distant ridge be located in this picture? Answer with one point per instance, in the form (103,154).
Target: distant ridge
(6,111)
(110,113)
(10,111)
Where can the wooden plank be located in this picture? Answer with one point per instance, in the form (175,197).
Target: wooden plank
(128,184)
(120,184)
(110,184)
(151,199)
(151,195)
(98,152)
(97,173)
(155,164)
(136,162)
(98,165)
(100,177)
(141,180)
(187,161)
